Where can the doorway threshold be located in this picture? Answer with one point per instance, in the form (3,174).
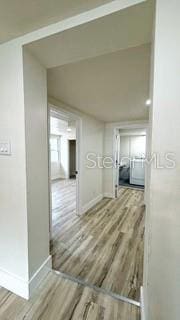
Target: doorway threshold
(97,289)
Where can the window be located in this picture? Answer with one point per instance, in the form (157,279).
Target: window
(55,148)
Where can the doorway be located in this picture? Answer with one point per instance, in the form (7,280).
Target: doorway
(64,142)
(72,159)
(130,149)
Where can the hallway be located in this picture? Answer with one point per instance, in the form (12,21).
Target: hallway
(105,246)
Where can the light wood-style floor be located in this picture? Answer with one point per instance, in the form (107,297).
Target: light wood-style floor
(60,299)
(63,196)
(103,247)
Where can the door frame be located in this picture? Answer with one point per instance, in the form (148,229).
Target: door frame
(116,161)
(130,126)
(63,114)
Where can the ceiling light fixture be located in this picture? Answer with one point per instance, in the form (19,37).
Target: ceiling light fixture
(148,102)
(69,129)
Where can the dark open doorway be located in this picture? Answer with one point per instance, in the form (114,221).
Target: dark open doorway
(72,159)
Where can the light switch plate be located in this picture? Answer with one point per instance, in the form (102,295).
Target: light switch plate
(5,148)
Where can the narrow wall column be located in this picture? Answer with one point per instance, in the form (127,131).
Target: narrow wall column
(37,179)
(24,250)
(13,191)
(162,287)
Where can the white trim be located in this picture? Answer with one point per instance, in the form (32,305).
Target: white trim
(143,316)
(39,275)
(108,195)
(91,203)
(14,284)
(77,20)
(49,176)
(138,124)
(21,287)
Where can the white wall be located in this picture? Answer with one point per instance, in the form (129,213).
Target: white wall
(92,142)
(27,174)
(35,99)
(55,169)
(92,132)
(13,207)
(162,283)
(64,150)
(108,181)
(60,169)
(24,221)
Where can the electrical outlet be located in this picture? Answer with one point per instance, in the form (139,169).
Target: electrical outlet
(5,148)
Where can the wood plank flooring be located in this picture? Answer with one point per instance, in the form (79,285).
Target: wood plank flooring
(64,196)
(61,299)
(103,247)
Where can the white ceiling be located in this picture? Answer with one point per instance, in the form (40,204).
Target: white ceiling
(18,17)
(127,28)
(111,87)
(102,67)
(59,127)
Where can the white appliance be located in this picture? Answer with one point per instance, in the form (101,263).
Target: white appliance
(137,172)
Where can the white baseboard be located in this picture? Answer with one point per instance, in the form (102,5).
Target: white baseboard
(108,195)
(14,283)
(91,203)
(39,275)
(143,316)
(21,287)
